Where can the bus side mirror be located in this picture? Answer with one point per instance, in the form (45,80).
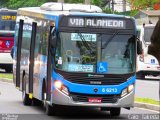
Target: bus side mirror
(53,38)
(139,47)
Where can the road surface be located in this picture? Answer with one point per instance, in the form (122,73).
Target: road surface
(11,105)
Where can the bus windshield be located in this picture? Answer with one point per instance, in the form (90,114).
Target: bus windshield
(84,52)
(7,20)
(147,34)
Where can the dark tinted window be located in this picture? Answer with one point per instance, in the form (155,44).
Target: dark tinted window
(147,34)
(7,20)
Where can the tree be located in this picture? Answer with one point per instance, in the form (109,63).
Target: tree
(14,4)
(142,4)
(3,3)
(74,1)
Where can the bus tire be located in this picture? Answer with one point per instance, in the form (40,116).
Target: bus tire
(26,100)
(50,110)
(115,111)
(36,102)
(25,97)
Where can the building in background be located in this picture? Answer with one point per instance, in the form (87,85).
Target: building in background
(147,16)
(120,5)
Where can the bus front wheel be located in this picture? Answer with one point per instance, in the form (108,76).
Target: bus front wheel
(26,99)
(50,109)
(115,111)
(25,96)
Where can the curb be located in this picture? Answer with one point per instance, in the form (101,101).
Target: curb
(147,106)
(6,80)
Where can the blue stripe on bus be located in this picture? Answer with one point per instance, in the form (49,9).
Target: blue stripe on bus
(88,89)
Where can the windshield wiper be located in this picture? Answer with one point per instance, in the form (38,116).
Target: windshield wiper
(105,45)
(84,42)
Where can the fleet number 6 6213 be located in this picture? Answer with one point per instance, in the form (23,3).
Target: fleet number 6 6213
(109,90)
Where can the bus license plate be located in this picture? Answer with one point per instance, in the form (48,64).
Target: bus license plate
(95,100)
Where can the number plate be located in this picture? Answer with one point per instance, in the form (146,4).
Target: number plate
(95,100)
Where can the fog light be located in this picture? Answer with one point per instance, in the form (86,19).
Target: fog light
(130,88)
(124,92)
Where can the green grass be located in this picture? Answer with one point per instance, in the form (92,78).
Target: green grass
(147,100)
(7,76)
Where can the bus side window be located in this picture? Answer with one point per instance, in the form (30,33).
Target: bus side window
(43,38)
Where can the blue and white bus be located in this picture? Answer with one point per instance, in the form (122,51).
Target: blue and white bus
(75,55)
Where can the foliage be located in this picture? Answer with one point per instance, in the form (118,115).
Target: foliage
(96,2)
(142,4)
(6,76)
(74,1)
(147,100)
(14,4)
(129,13)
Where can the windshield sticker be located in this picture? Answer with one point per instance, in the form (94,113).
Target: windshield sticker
(60,61)
(102,67)
(82,68)
(80,37)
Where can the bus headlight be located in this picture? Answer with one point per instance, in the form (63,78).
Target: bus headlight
(124,92)
(59,85)
(130,88)
(127,90)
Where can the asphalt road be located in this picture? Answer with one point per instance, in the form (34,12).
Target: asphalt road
(11,103)
(148,89)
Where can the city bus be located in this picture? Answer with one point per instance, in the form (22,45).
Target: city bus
(147,64)
(7,25)
(75,55)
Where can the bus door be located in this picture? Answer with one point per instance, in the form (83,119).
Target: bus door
(18,57)
(49,59)
(40,59)
(31,58)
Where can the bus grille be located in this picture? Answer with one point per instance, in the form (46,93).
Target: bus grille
(85,97)
(96,79)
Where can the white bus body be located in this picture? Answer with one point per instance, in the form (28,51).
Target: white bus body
(146,64)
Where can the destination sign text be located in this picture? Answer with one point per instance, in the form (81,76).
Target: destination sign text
(97,23)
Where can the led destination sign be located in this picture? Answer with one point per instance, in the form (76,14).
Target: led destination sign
(97,23)
(8,17)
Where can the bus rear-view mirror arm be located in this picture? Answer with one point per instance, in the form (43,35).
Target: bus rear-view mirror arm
(53,38)
(139,47)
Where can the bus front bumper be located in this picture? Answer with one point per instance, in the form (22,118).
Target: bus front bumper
(60,98)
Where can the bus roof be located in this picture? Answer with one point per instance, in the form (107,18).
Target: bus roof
(41,12)
(7,10)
